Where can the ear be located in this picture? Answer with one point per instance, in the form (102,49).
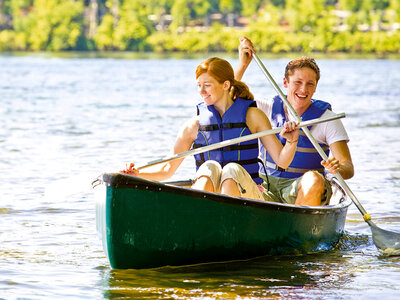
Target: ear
(227,85)
(285,82)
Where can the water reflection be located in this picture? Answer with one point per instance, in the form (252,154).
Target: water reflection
(312,276)
(281,276)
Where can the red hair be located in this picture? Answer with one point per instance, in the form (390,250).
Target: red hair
(221,70)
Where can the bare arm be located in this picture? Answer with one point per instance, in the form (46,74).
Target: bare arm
(246,51)
(282,155)
(341,161)
(183,142)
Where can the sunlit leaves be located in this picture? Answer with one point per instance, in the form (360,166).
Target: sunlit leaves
(200,25)
(47,24)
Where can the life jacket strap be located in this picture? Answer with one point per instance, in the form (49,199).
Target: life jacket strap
(234,125)
(240,162)
(238,147)
(209,127)
(213,127)
(290,169)
(235,147)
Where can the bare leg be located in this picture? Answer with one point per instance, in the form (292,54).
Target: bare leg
(311,189)
(230,187)
(203,183)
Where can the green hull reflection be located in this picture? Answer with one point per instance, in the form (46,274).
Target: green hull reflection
(145,224)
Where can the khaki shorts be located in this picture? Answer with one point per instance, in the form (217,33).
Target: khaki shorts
(246,185)
(284,190)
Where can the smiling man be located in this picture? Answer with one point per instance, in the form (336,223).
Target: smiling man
(303,182)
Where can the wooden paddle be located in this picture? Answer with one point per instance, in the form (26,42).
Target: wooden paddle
(385,240)
(238,140)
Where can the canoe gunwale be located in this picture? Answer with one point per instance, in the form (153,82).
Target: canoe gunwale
(124,181)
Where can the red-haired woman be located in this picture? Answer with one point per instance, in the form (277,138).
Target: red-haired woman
(226,112)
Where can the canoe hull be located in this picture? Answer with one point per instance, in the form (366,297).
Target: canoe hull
(146,224)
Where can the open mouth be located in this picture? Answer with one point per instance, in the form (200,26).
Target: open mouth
(301,96)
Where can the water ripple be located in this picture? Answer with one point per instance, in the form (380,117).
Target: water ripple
(65,121)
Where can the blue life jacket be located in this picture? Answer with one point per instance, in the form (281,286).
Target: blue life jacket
(306,157)
(213,129)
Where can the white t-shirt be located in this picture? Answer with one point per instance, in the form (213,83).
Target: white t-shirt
(324,133)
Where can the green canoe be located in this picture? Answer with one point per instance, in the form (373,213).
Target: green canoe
(145,224)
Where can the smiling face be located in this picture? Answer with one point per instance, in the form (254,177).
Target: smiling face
(301,86)
(210,90)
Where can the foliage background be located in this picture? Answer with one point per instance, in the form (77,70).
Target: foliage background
(275,26)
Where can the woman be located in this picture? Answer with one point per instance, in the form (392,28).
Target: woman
(227,111)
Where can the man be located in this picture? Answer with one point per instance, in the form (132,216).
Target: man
(303,181)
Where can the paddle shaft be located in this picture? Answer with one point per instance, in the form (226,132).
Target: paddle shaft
(308,133)
(239,140)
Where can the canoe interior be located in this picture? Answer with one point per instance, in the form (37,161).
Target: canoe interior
(146,224)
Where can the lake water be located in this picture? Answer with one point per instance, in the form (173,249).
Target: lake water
(66,120)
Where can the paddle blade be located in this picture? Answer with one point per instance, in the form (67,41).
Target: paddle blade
(385,240)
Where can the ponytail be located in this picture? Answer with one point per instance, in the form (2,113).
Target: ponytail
(241,90)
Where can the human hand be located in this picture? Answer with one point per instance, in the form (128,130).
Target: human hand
(290,132)
(246,50)
(130,170)
(331,164)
